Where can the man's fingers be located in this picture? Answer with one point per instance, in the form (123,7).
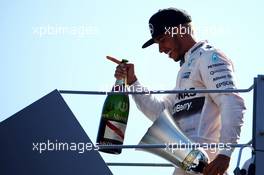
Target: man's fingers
(213,171)
(113,59)
(210,169)
(119,74)
(218,166)
(129,66)
(221,171)
(121,69)
(207,168)
(124,70)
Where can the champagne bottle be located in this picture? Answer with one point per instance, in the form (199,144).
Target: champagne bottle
(114,118)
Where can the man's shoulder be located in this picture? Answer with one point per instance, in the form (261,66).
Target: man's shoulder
(210,54)
(206,49)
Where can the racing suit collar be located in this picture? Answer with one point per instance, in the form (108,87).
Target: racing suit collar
(192,50)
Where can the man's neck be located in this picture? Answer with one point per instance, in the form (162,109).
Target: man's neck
(189,44)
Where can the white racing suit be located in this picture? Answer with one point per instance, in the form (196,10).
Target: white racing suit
(203,117)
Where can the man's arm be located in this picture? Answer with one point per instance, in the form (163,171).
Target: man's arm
(217,73)
(148,104)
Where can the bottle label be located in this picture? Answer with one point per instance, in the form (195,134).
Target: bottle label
(115,130)
(120,116)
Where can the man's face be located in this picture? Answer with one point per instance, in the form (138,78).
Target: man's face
(170,46)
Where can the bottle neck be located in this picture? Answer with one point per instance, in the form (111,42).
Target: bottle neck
(119,86)
(120,82)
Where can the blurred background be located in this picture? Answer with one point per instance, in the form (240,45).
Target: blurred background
(47,45)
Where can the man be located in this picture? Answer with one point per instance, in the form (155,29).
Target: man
(204,118)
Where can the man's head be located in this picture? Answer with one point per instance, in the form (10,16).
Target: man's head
(171,30)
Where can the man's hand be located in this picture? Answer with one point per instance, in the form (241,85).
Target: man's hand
(218,166)
(126,70)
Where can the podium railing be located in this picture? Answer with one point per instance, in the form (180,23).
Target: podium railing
(257,143)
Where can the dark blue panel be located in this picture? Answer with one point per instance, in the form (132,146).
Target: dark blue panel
(47,119)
